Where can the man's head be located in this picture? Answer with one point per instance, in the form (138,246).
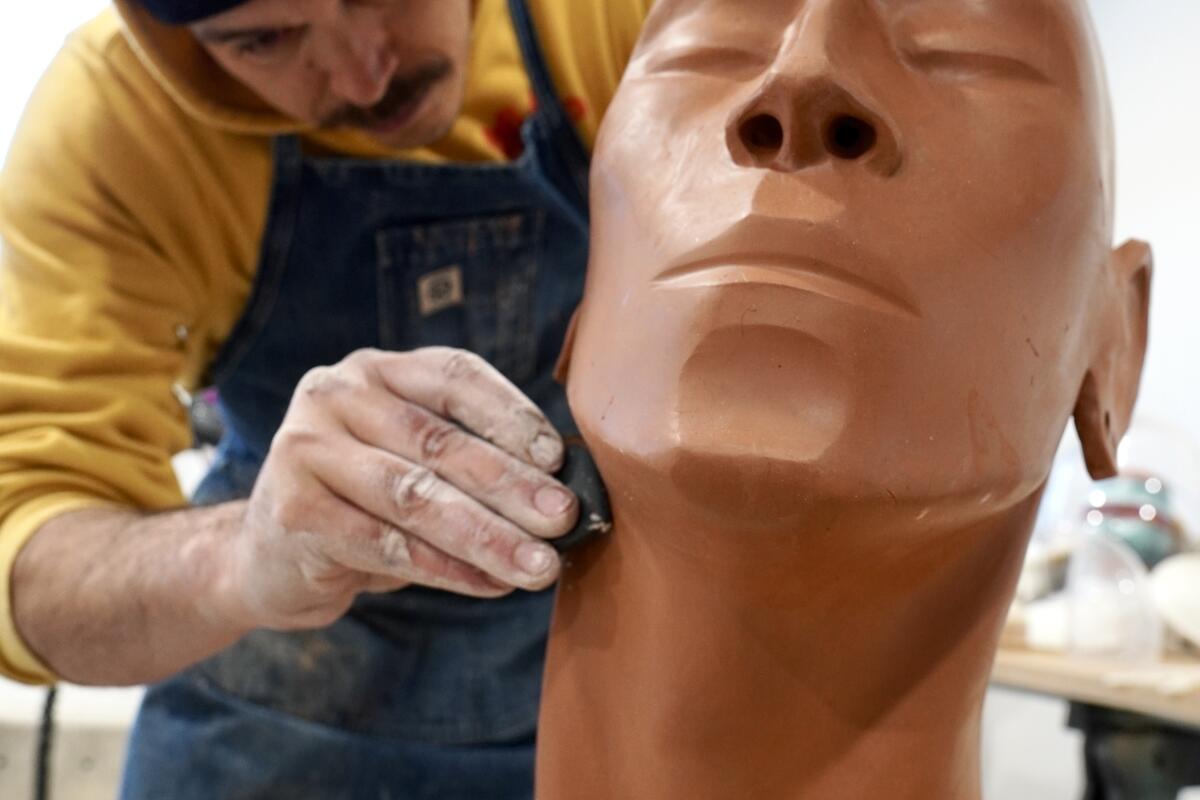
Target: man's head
(860,249)
(394,68)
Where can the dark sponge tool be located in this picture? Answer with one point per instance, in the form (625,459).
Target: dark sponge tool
(579,474)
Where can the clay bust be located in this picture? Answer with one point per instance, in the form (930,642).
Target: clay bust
(851,275)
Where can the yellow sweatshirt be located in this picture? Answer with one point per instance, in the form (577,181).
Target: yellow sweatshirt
(131,209)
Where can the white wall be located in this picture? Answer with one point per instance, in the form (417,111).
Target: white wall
(1154,66)
(30,35)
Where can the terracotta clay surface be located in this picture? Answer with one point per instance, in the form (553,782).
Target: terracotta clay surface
(851,274)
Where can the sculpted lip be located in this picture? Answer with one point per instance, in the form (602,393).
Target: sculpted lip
(762,250)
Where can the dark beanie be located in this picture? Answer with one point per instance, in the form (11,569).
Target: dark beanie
(182,12)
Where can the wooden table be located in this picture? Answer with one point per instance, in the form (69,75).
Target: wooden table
(1088,681)
(1138,742)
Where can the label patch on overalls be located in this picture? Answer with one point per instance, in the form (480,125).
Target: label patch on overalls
(439,290)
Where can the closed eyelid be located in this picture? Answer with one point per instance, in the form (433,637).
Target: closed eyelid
(715,59)
(967,63)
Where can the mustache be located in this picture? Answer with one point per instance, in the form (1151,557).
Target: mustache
(403,89)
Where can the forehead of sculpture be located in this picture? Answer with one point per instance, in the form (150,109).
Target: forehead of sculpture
(1053,35)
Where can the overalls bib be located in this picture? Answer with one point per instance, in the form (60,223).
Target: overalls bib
(418,693)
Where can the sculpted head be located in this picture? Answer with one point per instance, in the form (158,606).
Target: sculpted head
(857,250)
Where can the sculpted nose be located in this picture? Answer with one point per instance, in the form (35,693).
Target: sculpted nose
(788,127)
(806,111)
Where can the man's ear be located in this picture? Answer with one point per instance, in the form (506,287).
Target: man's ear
(562,367)
(1105,404)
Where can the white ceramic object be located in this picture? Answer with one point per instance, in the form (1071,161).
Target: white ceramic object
(1176,587)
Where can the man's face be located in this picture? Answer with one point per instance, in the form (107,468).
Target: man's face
(394,68)
(846,246)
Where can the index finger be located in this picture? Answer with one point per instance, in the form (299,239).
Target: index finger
(462,386)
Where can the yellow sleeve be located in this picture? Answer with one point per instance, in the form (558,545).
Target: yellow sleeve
(587,44)
(128,243)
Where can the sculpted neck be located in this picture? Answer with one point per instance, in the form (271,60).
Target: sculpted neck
(842,658)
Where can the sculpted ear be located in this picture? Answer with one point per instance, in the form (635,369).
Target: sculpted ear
(562,367)
(1105,404)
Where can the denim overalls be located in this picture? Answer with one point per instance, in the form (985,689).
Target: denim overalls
(420,693)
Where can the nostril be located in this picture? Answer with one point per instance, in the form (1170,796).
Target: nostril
(849,137)
(762,134)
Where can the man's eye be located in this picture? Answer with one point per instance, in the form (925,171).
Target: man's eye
(726,62)
(265,42)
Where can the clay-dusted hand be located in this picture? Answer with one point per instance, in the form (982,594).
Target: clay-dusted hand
(426,467)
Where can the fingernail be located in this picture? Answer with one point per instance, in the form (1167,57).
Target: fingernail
(535,559)
(552,501)
(546,451)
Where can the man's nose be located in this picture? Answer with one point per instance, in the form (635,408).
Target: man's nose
(807,109)
(359,64)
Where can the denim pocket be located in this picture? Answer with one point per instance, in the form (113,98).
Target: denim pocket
(469,284)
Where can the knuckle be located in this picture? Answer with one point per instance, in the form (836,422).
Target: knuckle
(362,357)
(413,490)
(351,373)
(498,477)
(406,360)
(435,439)
(462,365)
(429,353)
(530,431)
(394,546)
(360,364)
(512,477)
(293,441)
(483,537)
(319,381)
